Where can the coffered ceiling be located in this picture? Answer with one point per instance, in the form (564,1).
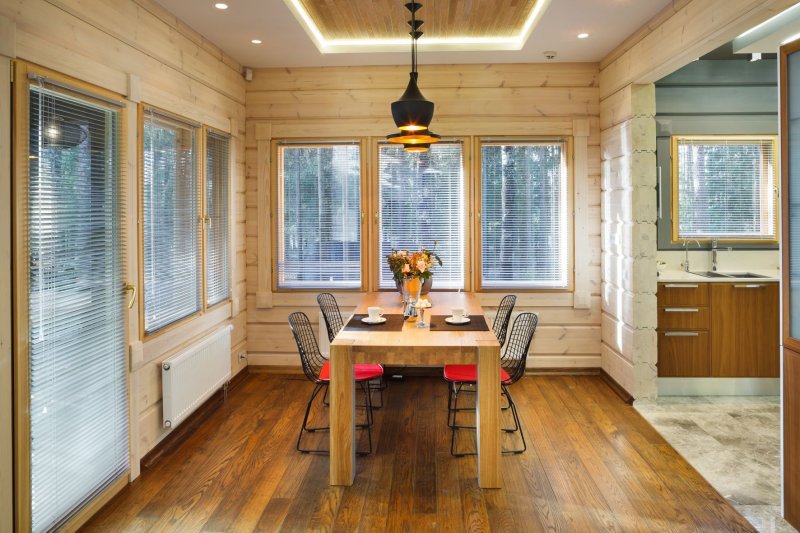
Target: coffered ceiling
(294,33)
(386,19)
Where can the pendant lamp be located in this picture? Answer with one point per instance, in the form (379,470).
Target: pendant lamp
(412,113)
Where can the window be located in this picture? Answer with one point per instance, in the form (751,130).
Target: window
(218,286)
(177,201)
(421,199)
(77,350)
(724,187)
(171,233)
(524,215)
(319,215)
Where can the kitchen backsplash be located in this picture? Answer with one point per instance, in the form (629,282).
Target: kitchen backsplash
(727,261)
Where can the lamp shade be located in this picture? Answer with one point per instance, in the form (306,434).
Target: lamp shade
(417,147)
(412,112)
(414,137)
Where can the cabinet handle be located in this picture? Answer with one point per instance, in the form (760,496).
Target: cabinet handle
(681,310)
(750,286)
(681,285)
(681,334)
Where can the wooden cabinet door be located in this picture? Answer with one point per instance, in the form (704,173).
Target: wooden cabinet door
(683,354)
(744,330)
(791,429)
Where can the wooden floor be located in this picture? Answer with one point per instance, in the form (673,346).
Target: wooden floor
(593,464)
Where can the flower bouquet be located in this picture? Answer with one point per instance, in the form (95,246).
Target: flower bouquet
(414,269)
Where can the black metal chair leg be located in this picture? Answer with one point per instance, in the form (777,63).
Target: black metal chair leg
(303,427)
(517,423)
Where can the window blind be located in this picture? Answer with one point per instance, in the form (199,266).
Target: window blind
(524,210)
(171,237)
(217,183)
(77,352)
(422,204)
(319,216)
(726,188)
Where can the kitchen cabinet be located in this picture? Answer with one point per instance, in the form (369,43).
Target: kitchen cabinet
(683,321)
(718,329)
(745,330)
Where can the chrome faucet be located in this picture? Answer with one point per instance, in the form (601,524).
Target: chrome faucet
(713,255)
(685,263)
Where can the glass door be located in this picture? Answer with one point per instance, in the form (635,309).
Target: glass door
(790,204)
(75,308)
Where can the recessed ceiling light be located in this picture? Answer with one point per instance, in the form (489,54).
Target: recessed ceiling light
(255,41)
(583,35)
(220,5)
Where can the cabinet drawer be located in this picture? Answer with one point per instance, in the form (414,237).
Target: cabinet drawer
(677,294)
(683,354)
(683,318)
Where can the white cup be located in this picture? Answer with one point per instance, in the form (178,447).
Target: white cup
(374,313)
(458,313)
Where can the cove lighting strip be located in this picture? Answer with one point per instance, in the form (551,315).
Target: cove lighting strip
(474,44)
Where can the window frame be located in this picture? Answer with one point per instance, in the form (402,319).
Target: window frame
(466,158)
(274,188)
(567,141)
(200,181)
(675,237)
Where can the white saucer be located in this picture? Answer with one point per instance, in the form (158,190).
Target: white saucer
(368,320)
(457,321)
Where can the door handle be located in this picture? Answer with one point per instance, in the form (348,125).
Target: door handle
(132,289)
(681,310)
(681,285)
(750,286)
(681,334)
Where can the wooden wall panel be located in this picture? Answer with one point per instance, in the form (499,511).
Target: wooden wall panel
(471,100)
(137,49)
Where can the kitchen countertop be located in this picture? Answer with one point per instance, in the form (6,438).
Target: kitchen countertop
(679,276)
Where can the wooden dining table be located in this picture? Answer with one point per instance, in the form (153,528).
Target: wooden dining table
(415,346)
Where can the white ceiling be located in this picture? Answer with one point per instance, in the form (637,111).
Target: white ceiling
(286,44)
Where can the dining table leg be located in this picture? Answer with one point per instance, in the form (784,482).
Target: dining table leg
(342,415)
(489,445)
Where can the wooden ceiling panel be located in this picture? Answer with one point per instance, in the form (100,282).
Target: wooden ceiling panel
(386,19)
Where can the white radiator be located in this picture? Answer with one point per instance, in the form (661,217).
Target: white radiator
(190,377)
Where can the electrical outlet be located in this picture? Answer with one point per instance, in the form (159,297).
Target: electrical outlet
(242,356)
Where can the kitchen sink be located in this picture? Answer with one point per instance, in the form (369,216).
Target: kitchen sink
(746,275)
(709,274)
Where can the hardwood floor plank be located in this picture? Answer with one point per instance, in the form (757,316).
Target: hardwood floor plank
(593,464)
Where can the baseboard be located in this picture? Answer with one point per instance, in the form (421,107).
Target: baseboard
(624,395)
(275,369)
(563,371)
(186,428)
(719,387)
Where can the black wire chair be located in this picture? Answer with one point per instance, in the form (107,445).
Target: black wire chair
(512,363)
(334,324)
(500,329)
(503,317)
(330,311)
(316,369)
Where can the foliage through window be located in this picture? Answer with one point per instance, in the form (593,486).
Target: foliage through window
(422,205)
(524,215)
(171,236)
(319,215)
(724,187)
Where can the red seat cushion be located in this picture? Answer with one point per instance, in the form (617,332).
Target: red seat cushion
(362,371)
(468,373)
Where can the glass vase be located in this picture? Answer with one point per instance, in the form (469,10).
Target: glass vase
(412,288)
